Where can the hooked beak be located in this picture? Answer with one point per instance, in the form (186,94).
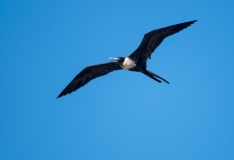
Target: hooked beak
(115,59)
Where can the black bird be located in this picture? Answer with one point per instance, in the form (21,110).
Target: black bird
(134,62)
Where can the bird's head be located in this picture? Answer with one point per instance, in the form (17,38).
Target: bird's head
(118,59)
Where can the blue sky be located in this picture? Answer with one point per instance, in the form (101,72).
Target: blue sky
(125,115)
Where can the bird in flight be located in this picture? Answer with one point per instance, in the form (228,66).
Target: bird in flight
(134,62)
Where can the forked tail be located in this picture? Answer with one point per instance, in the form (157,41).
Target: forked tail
(154,76)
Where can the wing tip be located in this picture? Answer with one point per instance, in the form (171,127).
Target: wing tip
(194,21)
(191,22)
(60,95)
(184,25)
(63,93)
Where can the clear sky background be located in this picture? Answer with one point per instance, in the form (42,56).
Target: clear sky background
(125,115)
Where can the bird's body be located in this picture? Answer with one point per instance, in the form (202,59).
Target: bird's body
(128,64)
(134,62)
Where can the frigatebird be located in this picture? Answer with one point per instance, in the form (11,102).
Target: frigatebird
(134,62)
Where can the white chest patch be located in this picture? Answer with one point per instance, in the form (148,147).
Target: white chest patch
(128,63)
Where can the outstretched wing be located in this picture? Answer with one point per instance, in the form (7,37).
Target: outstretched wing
(89,73)
(153,39)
